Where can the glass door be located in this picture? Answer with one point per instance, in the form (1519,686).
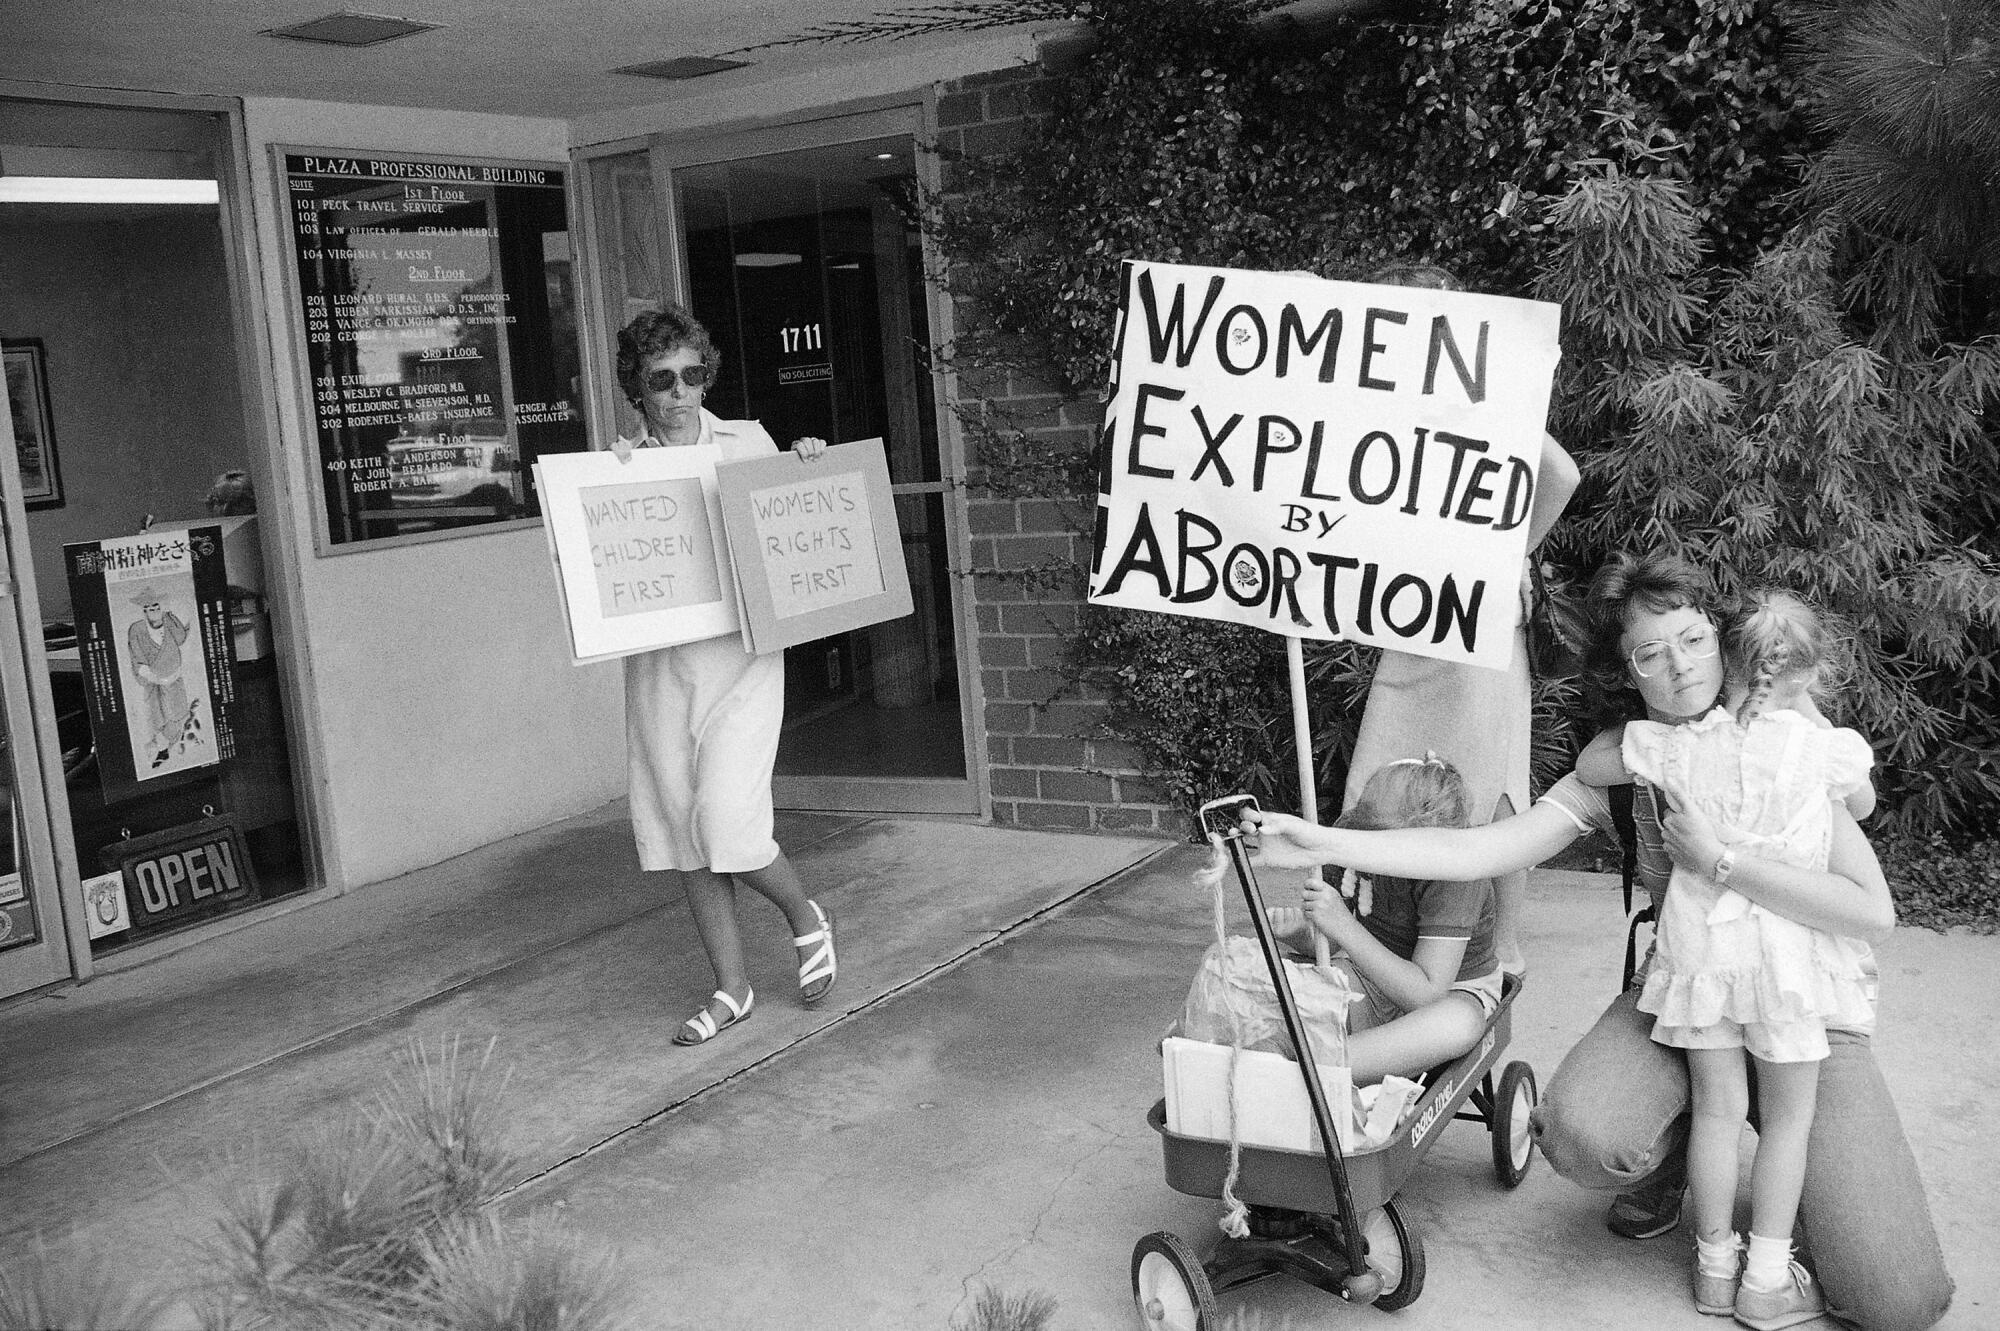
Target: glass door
(34,937)
(140,598)
(799,249)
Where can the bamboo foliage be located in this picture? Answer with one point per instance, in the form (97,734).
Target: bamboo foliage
(1751,421)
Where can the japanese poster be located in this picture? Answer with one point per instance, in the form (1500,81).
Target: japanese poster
(1329,460)
(815,545)
(154,642)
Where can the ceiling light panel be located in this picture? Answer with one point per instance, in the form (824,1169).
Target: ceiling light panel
(348,29)
(682,67)
(121,189)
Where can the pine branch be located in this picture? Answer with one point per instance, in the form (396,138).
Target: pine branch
(930,21)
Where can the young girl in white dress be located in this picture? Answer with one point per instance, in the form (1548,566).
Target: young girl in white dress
(1729,976)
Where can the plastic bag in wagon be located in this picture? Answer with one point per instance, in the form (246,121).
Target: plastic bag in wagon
(1233,1001)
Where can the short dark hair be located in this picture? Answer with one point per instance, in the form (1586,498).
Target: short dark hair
(1653,581)
(655,333)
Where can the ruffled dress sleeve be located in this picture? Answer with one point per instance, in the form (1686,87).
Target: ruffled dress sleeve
(1845,759)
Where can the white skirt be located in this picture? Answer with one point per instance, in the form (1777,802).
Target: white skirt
(701,739)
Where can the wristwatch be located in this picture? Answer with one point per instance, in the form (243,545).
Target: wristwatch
(1725,865)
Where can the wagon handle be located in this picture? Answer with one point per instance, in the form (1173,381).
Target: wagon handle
(1362,1284)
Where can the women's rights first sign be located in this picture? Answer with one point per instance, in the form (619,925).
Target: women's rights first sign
(1330,460)
(815,544)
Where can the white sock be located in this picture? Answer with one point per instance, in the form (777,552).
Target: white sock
(1718,1258)
(1769,1264)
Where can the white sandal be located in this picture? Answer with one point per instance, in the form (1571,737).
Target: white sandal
(822,964)
(701,1027)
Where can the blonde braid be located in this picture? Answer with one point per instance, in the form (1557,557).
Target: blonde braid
(1762,678)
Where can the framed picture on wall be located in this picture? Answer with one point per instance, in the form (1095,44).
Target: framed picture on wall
(34,424)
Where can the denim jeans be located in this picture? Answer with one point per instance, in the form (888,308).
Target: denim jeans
(1616,1110)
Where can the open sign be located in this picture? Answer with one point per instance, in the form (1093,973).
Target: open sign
(184,873)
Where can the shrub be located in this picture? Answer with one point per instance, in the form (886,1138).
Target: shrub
(1188,135)
(1745,419)
(1906,90)
(533,1276)
(1937,886)
(378,1221)
(995,1311)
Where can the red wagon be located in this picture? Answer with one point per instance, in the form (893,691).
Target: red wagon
(1324,1217)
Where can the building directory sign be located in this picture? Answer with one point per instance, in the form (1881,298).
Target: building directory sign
(435,304)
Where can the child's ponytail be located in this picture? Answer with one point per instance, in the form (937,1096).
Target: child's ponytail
(1764,674)
(1779,633)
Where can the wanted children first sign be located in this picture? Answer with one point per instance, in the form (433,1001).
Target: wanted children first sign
(1330,460)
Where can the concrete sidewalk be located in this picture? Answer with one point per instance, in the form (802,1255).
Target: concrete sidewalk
(989,1128)
(968,1110)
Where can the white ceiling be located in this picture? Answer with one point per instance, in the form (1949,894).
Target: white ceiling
(548,58)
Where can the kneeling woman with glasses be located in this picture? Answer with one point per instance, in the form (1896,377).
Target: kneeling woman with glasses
(702,719)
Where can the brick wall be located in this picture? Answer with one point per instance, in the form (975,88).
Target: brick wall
(1049,765)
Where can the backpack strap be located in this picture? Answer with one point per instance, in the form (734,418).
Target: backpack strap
(1621,797)
(1628,836)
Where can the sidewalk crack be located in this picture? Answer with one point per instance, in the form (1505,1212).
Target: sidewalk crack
(969,1286)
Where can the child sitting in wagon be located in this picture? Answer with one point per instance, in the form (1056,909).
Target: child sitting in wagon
(1420,955)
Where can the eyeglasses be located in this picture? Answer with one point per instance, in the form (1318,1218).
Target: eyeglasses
(1697,642)
(665,381)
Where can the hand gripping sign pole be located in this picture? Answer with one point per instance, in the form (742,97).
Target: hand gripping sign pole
(1295,664)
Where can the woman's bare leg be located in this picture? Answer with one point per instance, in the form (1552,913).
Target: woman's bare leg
(778,883)
(711,899)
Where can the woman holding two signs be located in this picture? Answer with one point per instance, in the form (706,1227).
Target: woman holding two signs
(702,719)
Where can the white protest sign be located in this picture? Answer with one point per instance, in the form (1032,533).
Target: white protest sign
(810,533)
(649,546)
(1330,460)
(638,549)
(815,545)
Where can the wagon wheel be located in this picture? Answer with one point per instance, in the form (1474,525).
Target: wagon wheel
(1396,1253)
(1513,1136)
(1169,1287)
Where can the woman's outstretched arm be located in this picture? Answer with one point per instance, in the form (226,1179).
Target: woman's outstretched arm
(1450,853)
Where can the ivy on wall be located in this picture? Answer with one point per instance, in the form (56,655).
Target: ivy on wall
(1191,134)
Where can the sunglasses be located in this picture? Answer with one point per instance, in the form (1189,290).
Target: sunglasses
(665,381)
